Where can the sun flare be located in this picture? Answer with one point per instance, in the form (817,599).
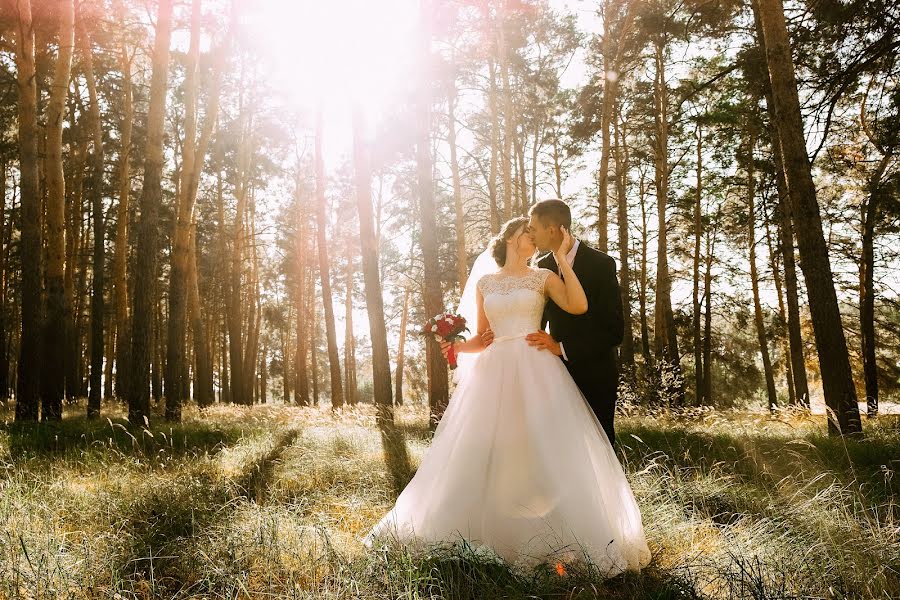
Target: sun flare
(337,53)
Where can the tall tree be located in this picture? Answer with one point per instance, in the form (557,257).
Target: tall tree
(462,267)
(665,334)
(626,351)
(831,343)
(438,384)
(381,363)
(29,365)
(337,391)
(99,263)
(148,226)
(120,256)
(53,382)
(754,275)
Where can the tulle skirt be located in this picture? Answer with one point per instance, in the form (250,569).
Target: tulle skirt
(519,464)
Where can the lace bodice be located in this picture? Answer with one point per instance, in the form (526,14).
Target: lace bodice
(514,304)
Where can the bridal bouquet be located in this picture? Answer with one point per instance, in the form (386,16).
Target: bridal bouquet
(449,327)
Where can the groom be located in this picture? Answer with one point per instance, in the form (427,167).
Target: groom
(586,343)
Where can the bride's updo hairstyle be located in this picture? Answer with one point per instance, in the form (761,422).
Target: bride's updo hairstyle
(498,242)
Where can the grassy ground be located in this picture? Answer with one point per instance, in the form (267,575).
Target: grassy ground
(269,502)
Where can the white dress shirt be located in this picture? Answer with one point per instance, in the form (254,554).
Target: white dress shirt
(570,258)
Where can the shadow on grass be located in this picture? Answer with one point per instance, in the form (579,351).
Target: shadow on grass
(764,460)
(162,522)
(77,435)
(396,456)
(459,572)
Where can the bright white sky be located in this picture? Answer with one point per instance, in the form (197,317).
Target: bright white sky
(340,52)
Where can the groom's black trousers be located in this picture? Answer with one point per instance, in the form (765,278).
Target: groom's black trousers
(598,382)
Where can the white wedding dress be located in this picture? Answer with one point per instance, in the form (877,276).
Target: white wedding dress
(519,463)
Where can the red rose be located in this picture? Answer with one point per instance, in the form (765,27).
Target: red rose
(444,328)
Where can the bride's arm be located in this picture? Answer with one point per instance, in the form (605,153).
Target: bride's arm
(482,339)
(568,294)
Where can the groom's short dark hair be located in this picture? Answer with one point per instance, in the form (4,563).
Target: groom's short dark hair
(554,212)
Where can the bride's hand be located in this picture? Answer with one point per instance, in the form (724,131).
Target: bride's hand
(566,244)
(487,338)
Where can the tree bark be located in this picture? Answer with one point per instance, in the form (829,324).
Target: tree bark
(438,385)
(867,286)
(148,228)
(786,241)
(401,348)
(177,388)
(99,256)
(834,361)
(53,384)
(462,267)
(642,294)
(381,363)
(771,394)
(349,339)
(665,335)
(120,258)
(29,372)
(4,262)
(509,128)
(301,374)
(495,147)
(606,118)
(698,234)
(337,392)
(707,318)
(626,350)
(782,313)
(203,379)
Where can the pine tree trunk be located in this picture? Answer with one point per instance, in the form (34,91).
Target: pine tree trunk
(251,351)
(314,343)
(642,297)
(665,335)
(707,319)
(831,343)
(381,363)
(786,241)
(523,185)
(148,234)
(53,385)
(626,350)
(771,394)
(349,340)
(301,374)
(203,377)
(236,337)
(401,348)
(177,389)
(509,130)
(462,267)
(98,309)
(438,385)
(606,118)
(4,261)
(867,286)
(698,234)
(120,258)
(74,218)
(29,372)
(782,313)
(495,121)
(337,392)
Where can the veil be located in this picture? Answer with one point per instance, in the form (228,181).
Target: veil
(468,308)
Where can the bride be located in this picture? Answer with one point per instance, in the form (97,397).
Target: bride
(519,462)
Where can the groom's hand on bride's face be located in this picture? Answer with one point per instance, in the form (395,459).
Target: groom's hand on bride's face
(543,341)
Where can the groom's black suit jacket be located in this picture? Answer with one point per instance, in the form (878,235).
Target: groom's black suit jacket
(590,340)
